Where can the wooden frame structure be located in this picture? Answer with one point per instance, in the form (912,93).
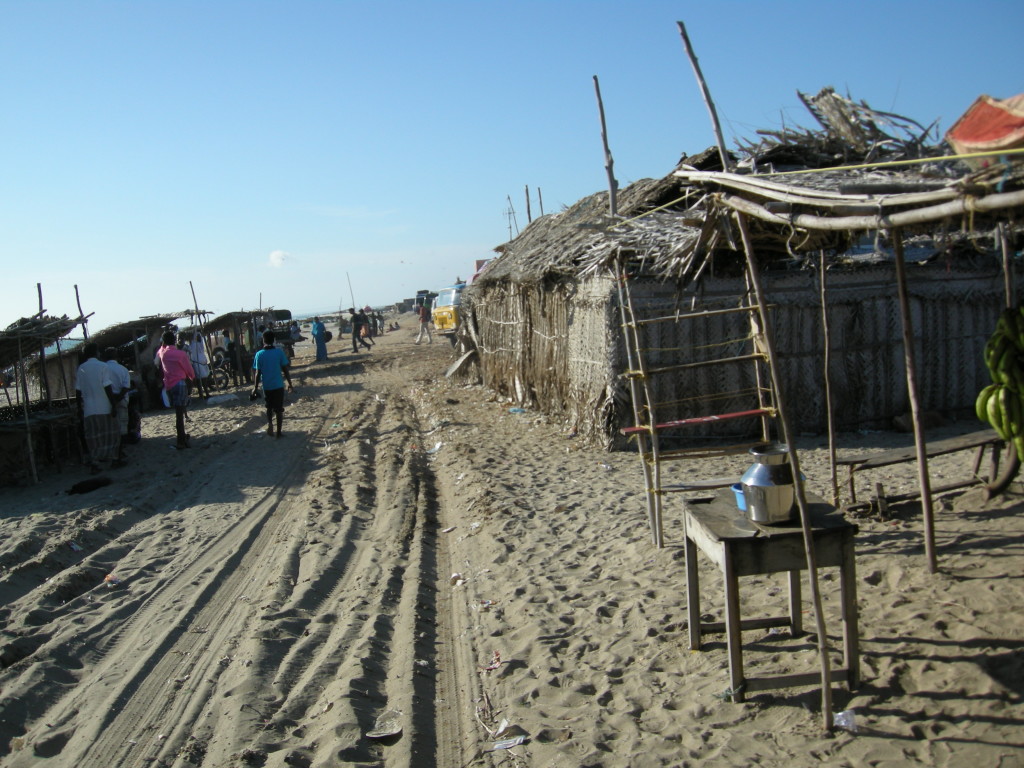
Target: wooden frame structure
(29,337)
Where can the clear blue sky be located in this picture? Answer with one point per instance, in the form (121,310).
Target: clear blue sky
(269,151)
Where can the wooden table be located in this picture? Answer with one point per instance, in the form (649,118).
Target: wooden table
(744,548)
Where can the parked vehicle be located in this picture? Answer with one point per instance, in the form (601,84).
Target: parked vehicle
(446,311)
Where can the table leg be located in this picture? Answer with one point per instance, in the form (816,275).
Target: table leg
(692,594)
(796,619)
(733,633)
(848,597)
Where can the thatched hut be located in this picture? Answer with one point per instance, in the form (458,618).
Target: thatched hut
(36,424)
(544,318)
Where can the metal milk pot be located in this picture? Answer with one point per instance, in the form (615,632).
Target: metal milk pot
(768,485)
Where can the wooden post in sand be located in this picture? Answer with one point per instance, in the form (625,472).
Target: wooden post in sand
(829,410)
(647,443)
(28,422)
(915,408)
(801,500)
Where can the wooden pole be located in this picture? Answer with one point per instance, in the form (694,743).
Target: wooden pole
(28,422)
(529,215)
(202,327)
(915,407)
(726,164)
(511,217)
(1004,241)
(965,205)
(613,185)
(85,322)
(829,408)
(754,321)
(44,377)
(540,201)
(801,500)
(647,442)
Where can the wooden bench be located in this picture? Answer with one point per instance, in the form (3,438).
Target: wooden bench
(981,440)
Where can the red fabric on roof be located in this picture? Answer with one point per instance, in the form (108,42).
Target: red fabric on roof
(989,125)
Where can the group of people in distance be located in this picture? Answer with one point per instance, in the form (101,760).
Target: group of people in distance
(365,326)
(103,387)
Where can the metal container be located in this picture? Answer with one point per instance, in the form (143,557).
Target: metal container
(768,485)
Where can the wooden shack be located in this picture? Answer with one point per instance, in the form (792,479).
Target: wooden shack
(38,424)
(544,322)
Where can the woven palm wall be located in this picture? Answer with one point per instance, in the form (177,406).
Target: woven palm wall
(558,346)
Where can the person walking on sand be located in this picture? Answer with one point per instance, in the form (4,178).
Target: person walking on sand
(177,375)
(200,363)
(121,384)
(94,397)
(319,333)
(357,330)
(271,366)
(424,315)
(365,327)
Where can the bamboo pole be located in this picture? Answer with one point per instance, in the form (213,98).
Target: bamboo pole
(351,293)
(829,408)
(801,500)
(85,323)
(28,422)
(44,377)
(202,328)
(63,373)
(754,321)
(511,217)
(706,94)
(1004,242)
(647,441)
(613,185)
(904,218)
(915,408)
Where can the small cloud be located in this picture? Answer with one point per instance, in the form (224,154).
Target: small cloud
(277,258)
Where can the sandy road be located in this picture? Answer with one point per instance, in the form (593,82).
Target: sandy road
(275,597)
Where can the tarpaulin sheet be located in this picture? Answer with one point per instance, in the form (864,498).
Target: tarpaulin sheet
(989,125)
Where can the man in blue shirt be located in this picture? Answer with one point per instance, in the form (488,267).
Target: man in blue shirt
(271,366)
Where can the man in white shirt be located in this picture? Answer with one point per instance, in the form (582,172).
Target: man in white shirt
(96,406)
(121,385)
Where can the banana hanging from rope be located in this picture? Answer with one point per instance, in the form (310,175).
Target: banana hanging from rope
(1001,403)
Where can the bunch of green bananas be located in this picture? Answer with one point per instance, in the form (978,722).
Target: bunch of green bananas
(1000,403)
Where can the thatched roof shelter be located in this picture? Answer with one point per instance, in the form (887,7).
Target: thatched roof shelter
(542,316)
(25,336)
(805,191)
(121,334)
(671,225)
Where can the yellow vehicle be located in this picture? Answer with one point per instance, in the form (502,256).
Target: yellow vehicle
(445,313)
